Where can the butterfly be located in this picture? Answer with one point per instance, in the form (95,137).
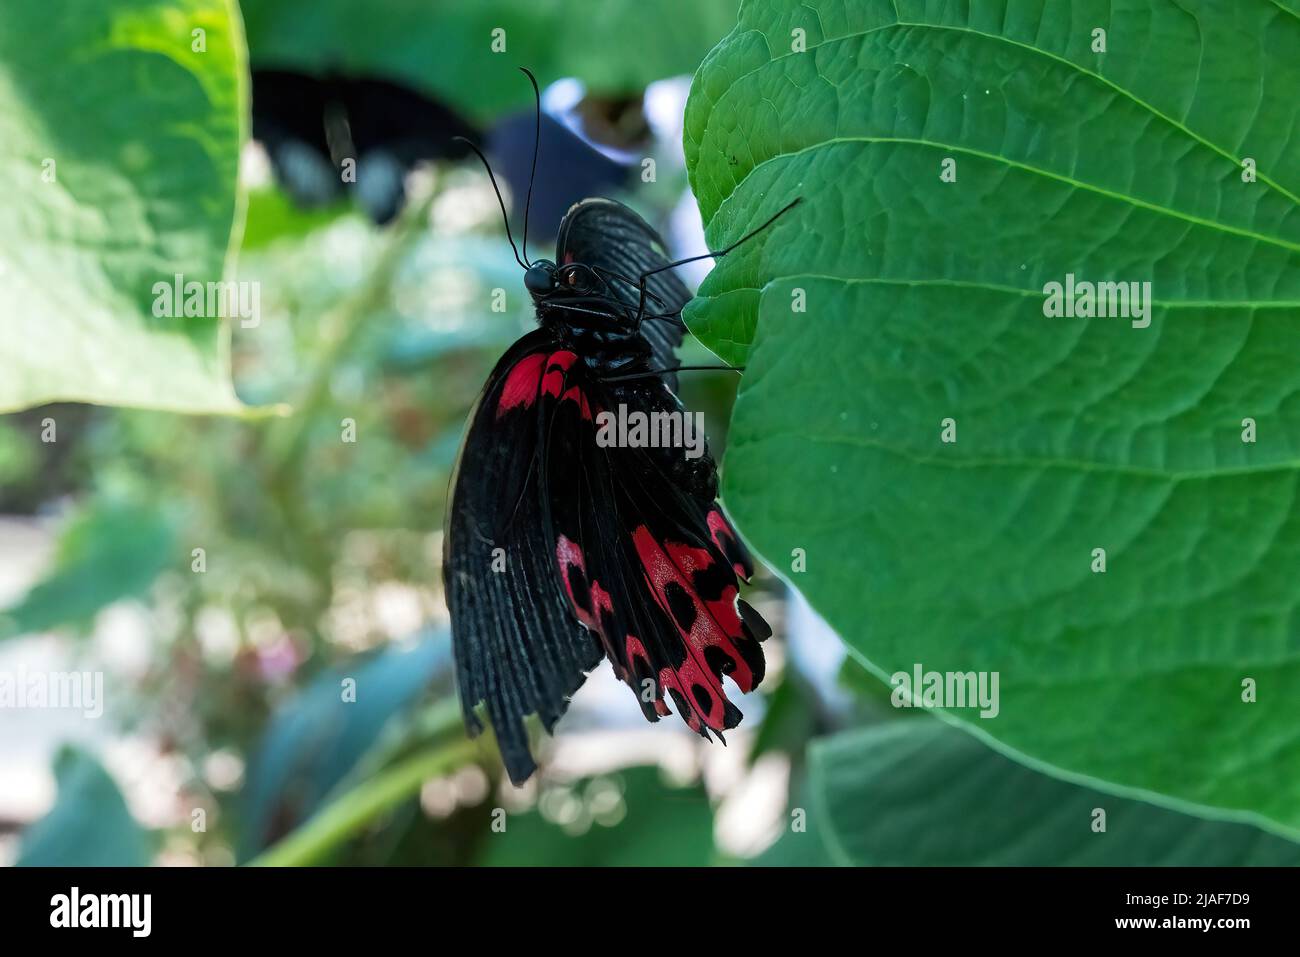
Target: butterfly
(561,550)
(336,133)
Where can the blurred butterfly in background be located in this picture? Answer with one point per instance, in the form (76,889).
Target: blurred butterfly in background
(560,550)
(312,126)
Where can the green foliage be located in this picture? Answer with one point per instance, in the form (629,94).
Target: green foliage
(17,456)
(109,552)
(921,793)
(630,819)
(273,216)
(924,302)
(317,738)
(445,48)
(322,549)
(89,825)
(104,205)
(300,530)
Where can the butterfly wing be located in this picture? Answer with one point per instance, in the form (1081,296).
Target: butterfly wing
(288,120)
(610,237)
(660,563)
(518,647)
(308,124)
(560,551)
(393,128)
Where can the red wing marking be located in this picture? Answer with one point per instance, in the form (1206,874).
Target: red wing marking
(545,373)
(711,625)
(574,394)
(521,383)
(636,655)
(557,365)
(569,555)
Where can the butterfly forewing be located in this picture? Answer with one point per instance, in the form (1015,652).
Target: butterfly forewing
(517,645)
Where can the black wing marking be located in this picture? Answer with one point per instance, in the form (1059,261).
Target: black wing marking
(608,236)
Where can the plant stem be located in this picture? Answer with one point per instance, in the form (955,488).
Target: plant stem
(346,816)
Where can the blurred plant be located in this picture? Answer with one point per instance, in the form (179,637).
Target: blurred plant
(272,550)
(90,825)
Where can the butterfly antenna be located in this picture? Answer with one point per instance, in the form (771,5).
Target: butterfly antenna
(712,254)
(537,142)
(719,253)
(500,202)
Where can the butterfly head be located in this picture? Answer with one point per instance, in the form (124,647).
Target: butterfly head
(547,282)
(539,279)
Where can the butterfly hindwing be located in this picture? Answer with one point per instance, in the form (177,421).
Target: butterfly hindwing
(668,514)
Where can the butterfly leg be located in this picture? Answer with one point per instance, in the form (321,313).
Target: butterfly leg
(659,372)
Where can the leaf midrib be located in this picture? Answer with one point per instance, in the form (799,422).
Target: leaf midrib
(1016,164)
(1024,292)
(1077,465)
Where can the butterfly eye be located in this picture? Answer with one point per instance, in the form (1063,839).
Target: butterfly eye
(575,279)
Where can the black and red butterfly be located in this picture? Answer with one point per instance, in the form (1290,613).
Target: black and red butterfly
(560,551)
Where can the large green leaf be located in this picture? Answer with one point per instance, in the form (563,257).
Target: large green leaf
(924,301)
(445,47)
(89,825)
(917,793)
(122,143)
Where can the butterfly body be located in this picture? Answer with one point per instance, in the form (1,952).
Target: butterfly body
(561,549)
(591,311)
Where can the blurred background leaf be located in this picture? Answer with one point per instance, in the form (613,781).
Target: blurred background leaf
(110,551)
(107,205)
(444,48)
(89,825)
(316,738)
